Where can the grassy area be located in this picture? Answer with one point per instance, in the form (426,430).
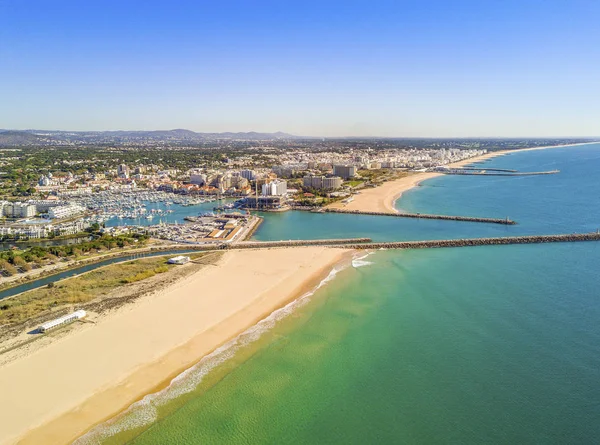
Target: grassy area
(79,290)
(376,177)
(354,182)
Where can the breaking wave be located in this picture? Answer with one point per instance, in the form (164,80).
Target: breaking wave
(360,261)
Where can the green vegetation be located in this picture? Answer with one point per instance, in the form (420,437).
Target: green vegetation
(14,261)
(79,290)
(354,182)
(316,201)
(145,274)
(378,176)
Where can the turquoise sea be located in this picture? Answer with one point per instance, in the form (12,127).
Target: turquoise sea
(494,345)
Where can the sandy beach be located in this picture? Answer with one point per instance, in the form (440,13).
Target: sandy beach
(58,392)
(382,198)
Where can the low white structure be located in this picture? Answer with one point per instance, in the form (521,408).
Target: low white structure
(66,319)
(65,211)
(179,260)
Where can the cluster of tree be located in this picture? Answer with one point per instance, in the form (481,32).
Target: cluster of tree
(12,261)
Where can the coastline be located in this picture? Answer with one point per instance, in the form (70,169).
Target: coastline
(383,198)
(55,397)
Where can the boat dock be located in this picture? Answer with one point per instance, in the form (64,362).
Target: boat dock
(505,221)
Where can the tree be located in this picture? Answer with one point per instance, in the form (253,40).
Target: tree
(21,263)
(8,268)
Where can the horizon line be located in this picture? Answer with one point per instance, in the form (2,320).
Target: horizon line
(304,136)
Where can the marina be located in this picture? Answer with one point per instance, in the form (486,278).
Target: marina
(143,207)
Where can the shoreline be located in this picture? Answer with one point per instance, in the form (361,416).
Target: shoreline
(383,198)
(125,381)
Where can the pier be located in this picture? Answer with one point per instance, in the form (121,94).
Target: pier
(493,172)
(505,221)
(503,170)
(532,239)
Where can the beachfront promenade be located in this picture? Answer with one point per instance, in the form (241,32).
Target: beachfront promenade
(504,221)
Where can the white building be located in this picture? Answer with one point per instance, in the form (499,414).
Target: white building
(344,171)
(65,211)
(43,205)
(322,183)
(19,210)
(179,260)
(332,183)
(274,188)
(66,319)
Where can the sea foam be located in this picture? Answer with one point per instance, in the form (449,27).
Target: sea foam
(359,262)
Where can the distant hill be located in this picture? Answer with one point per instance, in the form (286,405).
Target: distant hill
(19,138)
(58,137)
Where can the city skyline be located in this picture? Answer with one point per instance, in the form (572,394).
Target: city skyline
(333,69)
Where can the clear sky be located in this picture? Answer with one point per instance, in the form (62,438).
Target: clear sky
(325,68)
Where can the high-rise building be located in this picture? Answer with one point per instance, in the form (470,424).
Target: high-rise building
(322,183)
(332,183)
(274,188)
(250,175)
(123,171)
(19,210)
(311,181)
(344,171)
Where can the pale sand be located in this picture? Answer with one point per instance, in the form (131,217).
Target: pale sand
(57,393)
(383,198)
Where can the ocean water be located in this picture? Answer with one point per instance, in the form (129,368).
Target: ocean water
(495,345)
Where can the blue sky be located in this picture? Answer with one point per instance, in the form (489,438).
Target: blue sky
(323,68)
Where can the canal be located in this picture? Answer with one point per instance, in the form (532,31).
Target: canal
(34,284)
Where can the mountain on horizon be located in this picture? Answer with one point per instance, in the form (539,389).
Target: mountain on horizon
(61,137)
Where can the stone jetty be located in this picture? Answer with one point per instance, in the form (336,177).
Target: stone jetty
(366,243)
(490,172)
(505,221)
(533,239)
(295,243)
